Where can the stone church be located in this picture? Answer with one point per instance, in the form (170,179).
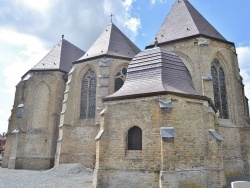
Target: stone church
(172,115)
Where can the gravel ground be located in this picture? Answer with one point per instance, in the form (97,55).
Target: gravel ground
(62,176)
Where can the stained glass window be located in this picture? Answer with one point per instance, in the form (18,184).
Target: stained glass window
(135,138)
(88,95)
(219,86)
(120,78)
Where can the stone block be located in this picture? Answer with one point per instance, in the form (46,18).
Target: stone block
(240,184)
(12,163)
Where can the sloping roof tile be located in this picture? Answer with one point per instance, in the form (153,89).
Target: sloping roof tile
(112,42)
(156,70)
(184,21)
(60,57)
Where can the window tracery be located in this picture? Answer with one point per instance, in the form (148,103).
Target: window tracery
(120,78)
(88,95)
(219,86)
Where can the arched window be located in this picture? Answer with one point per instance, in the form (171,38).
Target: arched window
(135,138)
(88,95)
(219,86)
(120,78)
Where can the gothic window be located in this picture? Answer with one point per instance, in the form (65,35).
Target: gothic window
(88,95)
(219,86)
(120,78)
(135,138)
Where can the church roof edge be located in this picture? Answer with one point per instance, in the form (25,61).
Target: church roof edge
(184,21)
(113,42)
(60,57)
(186,38)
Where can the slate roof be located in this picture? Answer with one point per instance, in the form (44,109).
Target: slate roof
(60,57)
(153,71)
(184,21)
(112,42)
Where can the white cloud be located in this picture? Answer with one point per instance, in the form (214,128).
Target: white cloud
(133,24)
(32,50)
(37,5)
(127,4)
(153,2)
(19,53)
(244,64)
(124,15)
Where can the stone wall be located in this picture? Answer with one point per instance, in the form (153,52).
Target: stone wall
(33,147)
(198,54)
(76,141)
(193,157)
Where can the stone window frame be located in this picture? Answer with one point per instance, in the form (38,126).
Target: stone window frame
(219,84)
(88,95)
(134,138)
(30,126)
(119,75)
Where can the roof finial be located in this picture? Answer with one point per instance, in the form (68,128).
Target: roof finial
(111,15)
(62,36)
(156,42)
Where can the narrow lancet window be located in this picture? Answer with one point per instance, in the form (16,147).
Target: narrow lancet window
(120,78)
(88,95)
(219,86)
(135,138)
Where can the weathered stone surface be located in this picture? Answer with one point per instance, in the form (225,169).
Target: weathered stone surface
(193,157)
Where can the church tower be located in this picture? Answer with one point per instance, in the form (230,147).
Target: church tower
(181,117)
(213,64)
(33,125)
(98,73)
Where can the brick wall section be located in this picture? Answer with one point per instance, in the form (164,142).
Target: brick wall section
(194,157)
(13,122)
(36,143)
(198,59)
(77,136)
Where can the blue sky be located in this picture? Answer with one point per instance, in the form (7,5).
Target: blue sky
(30,28)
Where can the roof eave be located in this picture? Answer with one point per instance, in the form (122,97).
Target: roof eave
(189,37)
(102,56)
(134,96)
(140,95)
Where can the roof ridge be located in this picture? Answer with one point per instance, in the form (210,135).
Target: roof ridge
(185,1)
(110,34)
(184,21)
(114,43)
(60,57)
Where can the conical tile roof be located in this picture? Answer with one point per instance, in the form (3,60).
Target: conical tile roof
(155,71)
(185,21)
(60,57)
(112,42)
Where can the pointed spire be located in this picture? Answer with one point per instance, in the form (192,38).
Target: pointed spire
(112,42)
(185,21)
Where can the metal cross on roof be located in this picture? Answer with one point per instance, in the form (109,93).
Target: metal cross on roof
(111,15)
